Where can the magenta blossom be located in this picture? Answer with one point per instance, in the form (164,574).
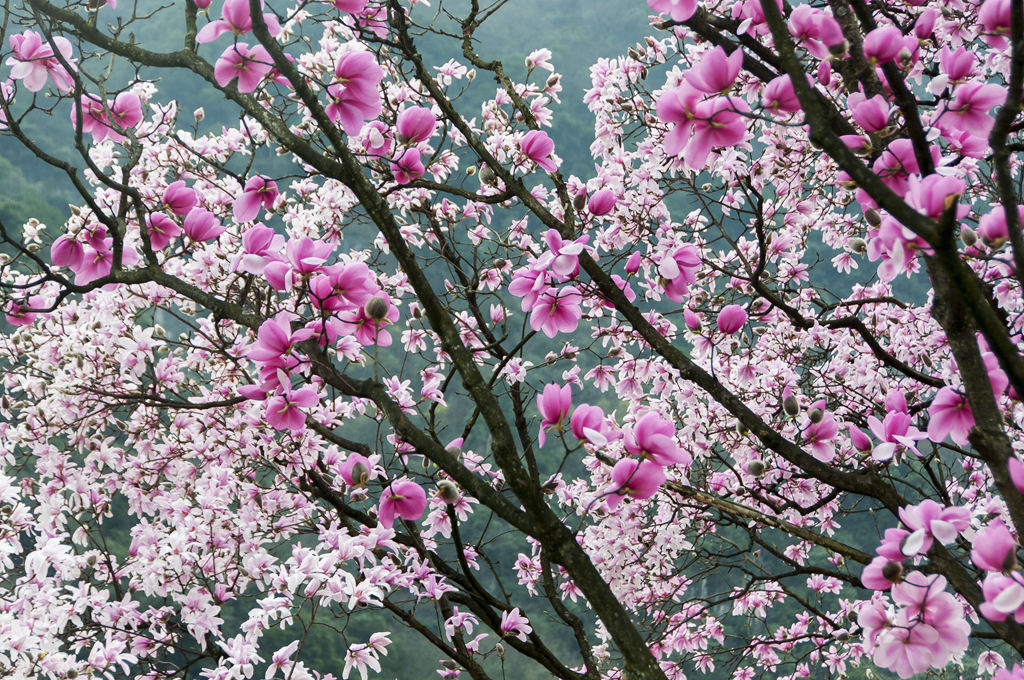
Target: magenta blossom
(415,124)
(283,411)
(402,498)
(871,114)
(235,18)
(731,319)
(679,10)
(679,271)
(895,433)
(538,147)
(968,110)
(634,478)
(368,330)
(700,125)
(950,415)
(553,404)
(821,433)
(994,549)
(654,438)
(929,520)
(557,310)
(16,311)
(67,252)
(601,202)
(566,256)
(587,423)
(202,225)
(250,66)
(260,245)
(515,624)
(407,167)
(715,72)
(779,95)
(161,230)
(106,121)
(33,60)
(354,98)
(881,573)
(1004,596)
(275,341)
(357,470)
(178,198)
(258,190)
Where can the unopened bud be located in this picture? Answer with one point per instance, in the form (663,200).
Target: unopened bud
(872,217)
(892,571)
(815,415)
(376,308)
(857,245)
(91,560)
(968,236)
(33,247)
(500,649)
(905,56)
(470,171)
(633,54)
(487,176)
(579,201)
(553,80)
(755,468)
(470,75)
(741,429)
(5,403)
(841,635)
(447,491)
(360,474)
(791,405)
(199,114)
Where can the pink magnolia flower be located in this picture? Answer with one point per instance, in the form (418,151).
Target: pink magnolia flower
(202,225)
(779,95)
(345,286)
(565,256)
(1004,596)
(993,549)
(99,120)
(283,410)
(654,438)
(992,226)
(16,310)
(303,257)
(402,498)
(178,198)
(407,167)
(354,98)
(883,44)
(260,245)
(634,478)
(968,110)
(679,10)
(350,6)
(33,60)
(929,520)
(950,415)
(67,252)
(538,147)
(553,404)
(236,19)
(957,65)
(895,433)
(815,29)
(250,66)
(819,435)
(376,138)
(931,195)
(275,341)
(1017,473)
(871,114)
(731,319)
(415,124)
(715,72)
(700,125)
(258,190)
(162,230)
(587,423)
(601,202)
(679,270)
(515,624)
(994,16)
(557,310)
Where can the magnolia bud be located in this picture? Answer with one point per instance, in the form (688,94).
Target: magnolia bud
(470,75)
(500,649)
(815,415)
(5,403)
(360,474)
(857,245)
(376,308)
(579,201)
(791,405)
(633,54)
(447,491)
(470,171)
(741,429)
(892,571)
(199,114)
(872,217)
(553,80)
(91,560)
(841,635)
(904,56)
(968,236)
(487,176)
(755,468)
